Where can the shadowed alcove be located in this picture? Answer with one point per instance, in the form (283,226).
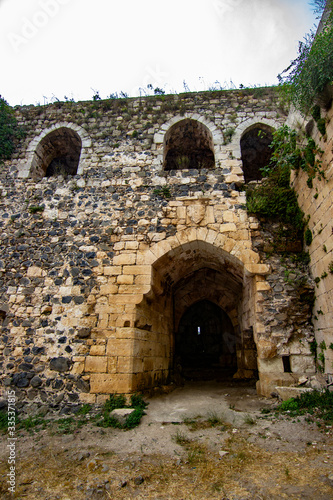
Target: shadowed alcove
(188,144)
(58,153)
(255,150)
(205,341)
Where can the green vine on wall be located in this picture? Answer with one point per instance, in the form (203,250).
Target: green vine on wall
(274,198)
(312,71)
(10,132)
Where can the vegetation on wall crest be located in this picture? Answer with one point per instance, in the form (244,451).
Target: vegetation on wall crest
(10,132)
(308,78)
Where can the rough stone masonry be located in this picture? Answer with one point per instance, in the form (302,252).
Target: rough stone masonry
(128,259)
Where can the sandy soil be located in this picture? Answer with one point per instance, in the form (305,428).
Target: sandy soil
(205,440)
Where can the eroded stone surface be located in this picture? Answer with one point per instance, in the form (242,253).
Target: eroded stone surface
(97,269)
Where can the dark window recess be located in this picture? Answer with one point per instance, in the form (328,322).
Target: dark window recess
(58,153)
(286,364)
(188,145)
(256,152)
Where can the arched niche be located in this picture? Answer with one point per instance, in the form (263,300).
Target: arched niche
(255,150)
(188,144)
(57,153)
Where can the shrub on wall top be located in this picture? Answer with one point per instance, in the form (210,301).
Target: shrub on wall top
(9,130)
(311,73)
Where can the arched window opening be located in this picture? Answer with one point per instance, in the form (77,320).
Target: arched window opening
(188,145)
(58,153)
(205,340)
(256,152)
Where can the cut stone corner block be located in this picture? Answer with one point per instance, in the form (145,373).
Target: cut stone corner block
(122,414)
(291,392)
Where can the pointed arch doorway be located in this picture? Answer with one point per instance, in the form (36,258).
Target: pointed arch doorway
(205,342)
(195,284)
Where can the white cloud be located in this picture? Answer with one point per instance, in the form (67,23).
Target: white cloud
(66,47)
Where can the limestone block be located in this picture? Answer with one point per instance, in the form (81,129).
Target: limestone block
(119,347)
(271,365)
(142,348)
(229,227)
(162,248)
(108,289)
(112,364)
(237,171)
(143,279)
(243,234)
(124,259)
(210,216)
(181,213)
(124,364)
(302,364)
(233,178)
(102,308)
(35,272)
(133,289)
(291,392)
(126,333)
(96,364)
(211,236)
(148,364)
(125,299)
(135,270)
(97,350)
(125,279)
(154,237)
(269,381)
(145,257)
(122,414)
(229,216)
(158,138)
(131,245)
(110,383)
(137,365)
(77,368)
(120,245)
(112,270)
(87,398)
(257,269)
(263,286)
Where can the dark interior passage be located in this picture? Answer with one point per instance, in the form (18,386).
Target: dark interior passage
(256,153)
(205,341)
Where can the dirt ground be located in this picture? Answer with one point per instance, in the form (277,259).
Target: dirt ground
(203,441)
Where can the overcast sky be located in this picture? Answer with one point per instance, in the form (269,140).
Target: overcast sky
(73,48)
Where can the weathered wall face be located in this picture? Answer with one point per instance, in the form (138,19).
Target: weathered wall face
(317,203)
(94,283)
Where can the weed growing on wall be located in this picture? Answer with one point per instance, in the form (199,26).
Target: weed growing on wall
(309,74)
(274,198)
(10,132)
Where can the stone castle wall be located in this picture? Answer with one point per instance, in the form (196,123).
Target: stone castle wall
(97,269)
(317,204)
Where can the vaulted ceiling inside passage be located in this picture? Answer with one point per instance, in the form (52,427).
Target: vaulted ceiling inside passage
(219,287)
(177,267)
